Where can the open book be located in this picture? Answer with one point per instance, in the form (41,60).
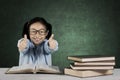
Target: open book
(29,68)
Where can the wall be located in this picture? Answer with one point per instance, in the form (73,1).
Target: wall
(82,27)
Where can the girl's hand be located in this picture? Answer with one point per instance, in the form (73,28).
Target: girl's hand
(23,44)
(52,42)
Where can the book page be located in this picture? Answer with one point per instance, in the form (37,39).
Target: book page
(22,69)
(47,69)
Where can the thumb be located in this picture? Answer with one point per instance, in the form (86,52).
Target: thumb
(51,37)
(25,37)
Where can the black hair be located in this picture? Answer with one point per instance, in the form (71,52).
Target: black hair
(41,20)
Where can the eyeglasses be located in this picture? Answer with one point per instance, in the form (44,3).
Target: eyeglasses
(41,32)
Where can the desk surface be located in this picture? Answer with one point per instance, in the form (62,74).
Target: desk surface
(3,76)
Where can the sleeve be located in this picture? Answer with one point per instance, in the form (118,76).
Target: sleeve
(47,48)
(26,49)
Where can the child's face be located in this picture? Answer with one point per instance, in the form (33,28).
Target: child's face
(37,33)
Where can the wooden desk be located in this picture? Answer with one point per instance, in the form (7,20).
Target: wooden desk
(3,76)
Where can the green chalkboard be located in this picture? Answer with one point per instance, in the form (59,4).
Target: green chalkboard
(81,27)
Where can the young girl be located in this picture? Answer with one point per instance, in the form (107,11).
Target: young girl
(37,43)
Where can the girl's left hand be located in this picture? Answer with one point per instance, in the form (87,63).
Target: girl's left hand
(52,42)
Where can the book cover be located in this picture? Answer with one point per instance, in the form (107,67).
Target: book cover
(91,67)
(112,63)
(91,58)
(87,73)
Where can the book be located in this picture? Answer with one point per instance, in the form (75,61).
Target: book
(87,73)
(29,68)
(91,67)
(91,58)
(112,63)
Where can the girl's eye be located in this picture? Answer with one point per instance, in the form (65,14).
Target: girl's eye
(32,32)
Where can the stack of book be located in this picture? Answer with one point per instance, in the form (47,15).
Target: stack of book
(89,66)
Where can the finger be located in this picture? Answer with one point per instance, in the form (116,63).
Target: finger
(25,37)
(51,37)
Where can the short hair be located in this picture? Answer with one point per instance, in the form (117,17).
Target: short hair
(26,28)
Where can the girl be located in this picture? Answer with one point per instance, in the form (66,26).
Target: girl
(37,43)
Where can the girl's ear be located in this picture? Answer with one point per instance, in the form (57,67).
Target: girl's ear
(47,33)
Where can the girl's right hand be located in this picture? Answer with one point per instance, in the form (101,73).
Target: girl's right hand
(23,43)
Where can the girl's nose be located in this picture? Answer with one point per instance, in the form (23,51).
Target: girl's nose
(37,34)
